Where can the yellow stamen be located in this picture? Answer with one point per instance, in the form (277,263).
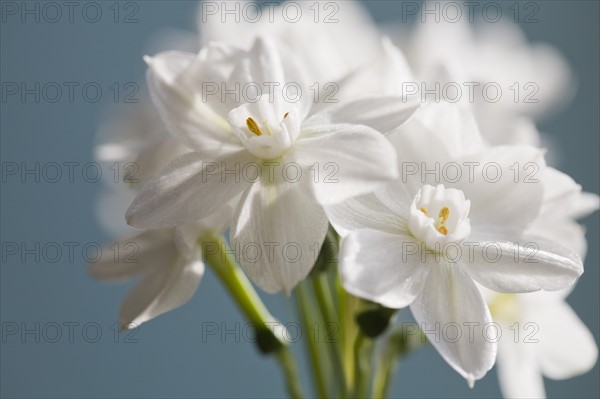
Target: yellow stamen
(286,115)
(253,126)
(444,214)
(424,211)
(443,230)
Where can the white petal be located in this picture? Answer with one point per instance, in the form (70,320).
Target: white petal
(374,266)
(386,74)
(501,127)
(213,65)
(165,289)
(566,232)
(449,298)
(519,371)
(277,234)
(421,148)
(501,199)
(398,197)
(380,113)
(187,112)
(137,135)
(363,212)
(560,192)
(586,204)
(131,256)
(451,126)
(522,264)
(156,156)
(566,346)
(267,65)
(189,189)
(343,161)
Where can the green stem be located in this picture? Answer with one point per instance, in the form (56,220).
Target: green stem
(398,344)
(242,291)
(290,370)
(307,314)
(385,369)
(362,365)
(348,305)
(327,308)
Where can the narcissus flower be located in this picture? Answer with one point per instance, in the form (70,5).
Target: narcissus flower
(283,161)
(457,215)
(542,337)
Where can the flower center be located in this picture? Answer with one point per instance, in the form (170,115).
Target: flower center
(264,129)
(253,127)
(439,216)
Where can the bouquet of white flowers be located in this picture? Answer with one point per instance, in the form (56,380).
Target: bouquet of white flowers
(300,151)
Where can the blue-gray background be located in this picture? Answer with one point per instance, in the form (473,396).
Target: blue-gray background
(169,360)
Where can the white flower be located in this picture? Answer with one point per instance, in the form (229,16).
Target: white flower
(169,262)
(542,336)
(492,52)
(284,164)
(511,79)
(425,239)
(549,339)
